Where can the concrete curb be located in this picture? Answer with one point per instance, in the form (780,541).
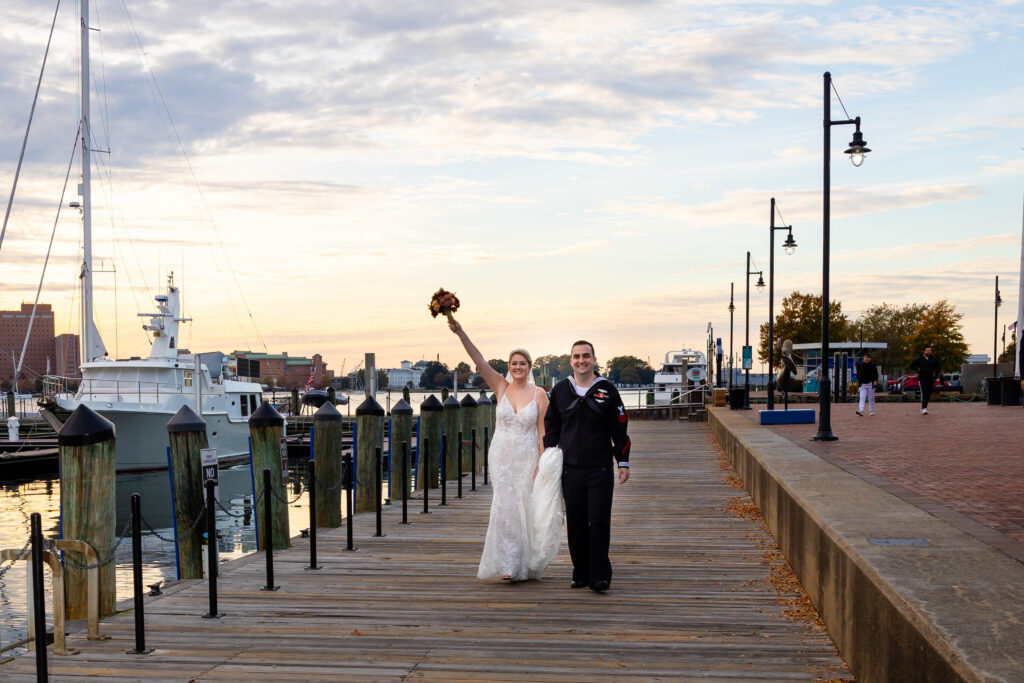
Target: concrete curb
(952,610)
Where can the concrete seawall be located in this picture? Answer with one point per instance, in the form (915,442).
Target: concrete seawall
(905,596)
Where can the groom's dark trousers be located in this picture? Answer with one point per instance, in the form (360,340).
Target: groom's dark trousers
(588,515)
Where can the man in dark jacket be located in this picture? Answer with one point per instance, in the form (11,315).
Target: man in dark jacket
(867,378)
(587,420)
(927,366)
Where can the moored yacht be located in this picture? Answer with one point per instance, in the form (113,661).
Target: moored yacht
(682,370)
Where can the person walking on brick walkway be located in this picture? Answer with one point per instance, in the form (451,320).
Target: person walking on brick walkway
(867,377)
(927,366)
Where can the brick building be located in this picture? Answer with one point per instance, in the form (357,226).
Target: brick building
(288,371)
(13,326)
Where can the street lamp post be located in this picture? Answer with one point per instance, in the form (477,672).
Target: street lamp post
(789,245)
(746,370)
(856,150)
(995,331)
(732,309)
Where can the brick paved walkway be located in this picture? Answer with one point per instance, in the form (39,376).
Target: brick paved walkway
(964,462)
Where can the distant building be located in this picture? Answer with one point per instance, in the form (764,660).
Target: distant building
(13,327)
(288,371)
(400,377)
(66,356)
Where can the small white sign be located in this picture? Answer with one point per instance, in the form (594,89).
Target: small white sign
(211,470)
(696,374)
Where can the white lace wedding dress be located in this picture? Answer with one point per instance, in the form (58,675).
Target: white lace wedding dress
(525,528)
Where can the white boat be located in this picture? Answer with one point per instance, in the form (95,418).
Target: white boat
(682,371)
(140,395)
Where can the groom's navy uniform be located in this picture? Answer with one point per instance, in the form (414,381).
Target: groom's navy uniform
(590,428)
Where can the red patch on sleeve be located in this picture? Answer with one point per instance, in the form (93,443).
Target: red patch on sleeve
(625,449)
(622,419)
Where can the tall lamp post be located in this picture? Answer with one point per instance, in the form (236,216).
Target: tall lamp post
(746,370)
(995,331)
(857,149)
(790,246)
(732,309)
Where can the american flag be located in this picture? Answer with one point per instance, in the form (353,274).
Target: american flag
(309,382)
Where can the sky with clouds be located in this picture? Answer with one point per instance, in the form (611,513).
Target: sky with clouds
(587,169)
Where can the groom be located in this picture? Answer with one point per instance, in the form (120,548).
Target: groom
(586,419)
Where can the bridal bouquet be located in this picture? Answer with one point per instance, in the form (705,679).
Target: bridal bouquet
(443,302)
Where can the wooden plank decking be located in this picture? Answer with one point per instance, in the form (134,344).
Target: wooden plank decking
(689,600)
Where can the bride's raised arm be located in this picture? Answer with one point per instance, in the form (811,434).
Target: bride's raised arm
(495,381)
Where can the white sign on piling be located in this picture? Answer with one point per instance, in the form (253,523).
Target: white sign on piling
(283,446)
(211,469)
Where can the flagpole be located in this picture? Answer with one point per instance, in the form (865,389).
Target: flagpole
(1020,301)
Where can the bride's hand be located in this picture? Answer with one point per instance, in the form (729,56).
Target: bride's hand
(454,325)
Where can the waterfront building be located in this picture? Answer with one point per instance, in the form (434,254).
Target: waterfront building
(39,352)
(288,371)
(400,377)
(67,356)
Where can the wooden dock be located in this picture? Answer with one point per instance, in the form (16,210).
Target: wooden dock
(691,599)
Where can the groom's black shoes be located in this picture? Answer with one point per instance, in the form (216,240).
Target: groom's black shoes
(600,586)
(576,583)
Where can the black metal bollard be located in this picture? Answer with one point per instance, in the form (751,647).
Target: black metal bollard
(472,461)
(378,486)
(140,618)
(346,463)
(458,466)
(38,603)
(487,446)
(312,515)
(444,475)
(424,452)
(211,550)
(268,535)
(405,482)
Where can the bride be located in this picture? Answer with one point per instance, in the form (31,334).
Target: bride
(525,527)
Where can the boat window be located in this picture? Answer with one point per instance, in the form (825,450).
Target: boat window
(243,405)
(252,402)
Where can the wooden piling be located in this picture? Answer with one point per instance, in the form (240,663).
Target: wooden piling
(428,465)
(369,437)
(468,421)
(332,395)
(12,408)
(401,432)
(88,504)
(266,430)
(186,433)
(296,406)
(327,422)
(452,425)
(484,407)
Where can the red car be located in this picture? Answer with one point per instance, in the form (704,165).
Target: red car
(910,383)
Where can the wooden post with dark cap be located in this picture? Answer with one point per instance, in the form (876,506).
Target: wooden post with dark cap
(266,429)
(369,436)
(327,422)
(186,433)
(88,503)
(401,432)
(452,408)
(428,465)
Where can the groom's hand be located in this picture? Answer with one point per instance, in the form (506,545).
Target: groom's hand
(623,475)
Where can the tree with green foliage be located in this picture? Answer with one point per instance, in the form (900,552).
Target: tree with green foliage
(463,372)
(1008,355)
(630,370)
(941,328)
(436,376)
(555,367)
(893,325)
(800,320)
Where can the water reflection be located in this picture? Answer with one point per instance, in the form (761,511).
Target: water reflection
(236,531)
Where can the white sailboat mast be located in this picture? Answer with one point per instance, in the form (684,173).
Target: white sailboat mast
(92,344)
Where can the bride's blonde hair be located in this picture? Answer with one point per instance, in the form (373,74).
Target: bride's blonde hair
(521,352)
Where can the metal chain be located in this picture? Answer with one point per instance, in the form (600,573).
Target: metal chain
(335,487)
(283,499)
(199,519)
(21,554)
(65,562)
